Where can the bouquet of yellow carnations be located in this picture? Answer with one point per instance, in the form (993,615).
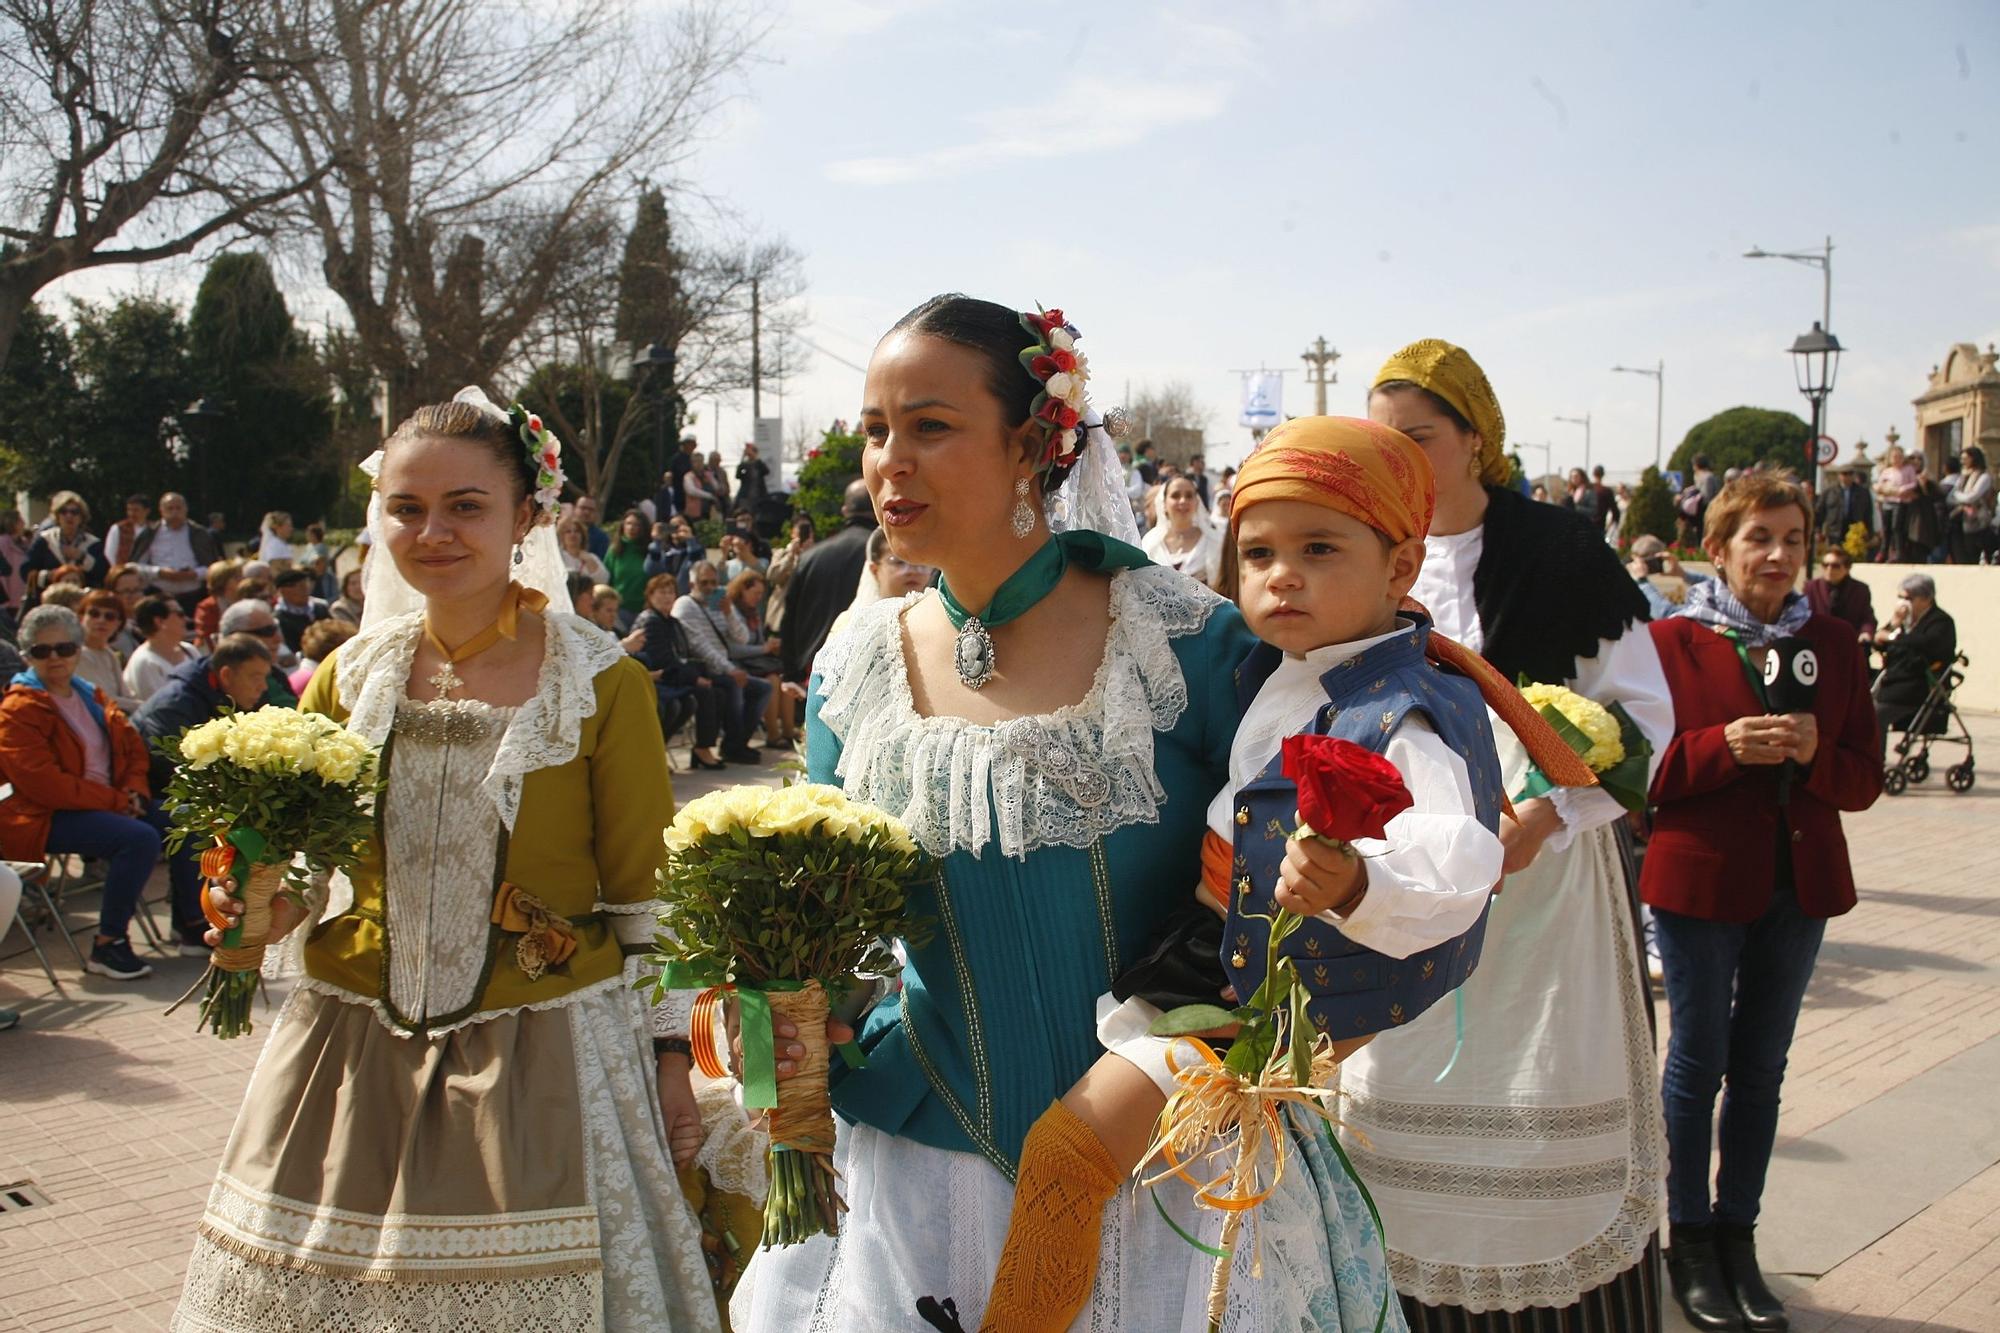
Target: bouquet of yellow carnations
(1605,738)
(264,788)
(780,896)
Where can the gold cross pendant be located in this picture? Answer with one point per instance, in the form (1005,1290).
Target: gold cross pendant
(445,681)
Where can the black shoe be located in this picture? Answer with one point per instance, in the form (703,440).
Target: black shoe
(9,1020)
(115,959)
(1737,1248)
(1700,1286)
(699,762)
(741,754)
(781,743)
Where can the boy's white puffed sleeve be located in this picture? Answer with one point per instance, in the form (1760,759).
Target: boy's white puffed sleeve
(1429,879)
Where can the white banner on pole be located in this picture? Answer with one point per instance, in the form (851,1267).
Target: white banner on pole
(769,435)
(1263,399)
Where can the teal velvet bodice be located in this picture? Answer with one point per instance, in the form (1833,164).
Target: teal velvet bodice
(997,1014)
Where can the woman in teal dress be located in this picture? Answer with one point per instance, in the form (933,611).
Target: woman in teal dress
(1057,753)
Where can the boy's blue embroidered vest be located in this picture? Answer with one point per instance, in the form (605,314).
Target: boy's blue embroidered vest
(1354,990)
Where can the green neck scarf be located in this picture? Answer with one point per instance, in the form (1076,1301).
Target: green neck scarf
(972,652)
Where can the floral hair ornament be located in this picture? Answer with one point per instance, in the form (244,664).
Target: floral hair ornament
(1062,372)
(545,452)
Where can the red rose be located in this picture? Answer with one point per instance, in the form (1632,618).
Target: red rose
(1066,416)
(1053,319)
(534,423)
(1044,366)
(1345,790)
(1065,361)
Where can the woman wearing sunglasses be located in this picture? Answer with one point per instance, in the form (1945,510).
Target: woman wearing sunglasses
(80,786)
(67,541)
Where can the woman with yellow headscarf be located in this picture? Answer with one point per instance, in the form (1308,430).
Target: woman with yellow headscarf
(1522,1188)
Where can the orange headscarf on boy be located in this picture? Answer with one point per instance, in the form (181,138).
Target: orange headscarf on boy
(1382,477)
(1365,470)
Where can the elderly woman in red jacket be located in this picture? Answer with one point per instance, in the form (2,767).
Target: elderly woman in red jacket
(79,774)
(1746,863)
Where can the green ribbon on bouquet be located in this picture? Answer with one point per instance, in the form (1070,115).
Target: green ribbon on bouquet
(759,1073)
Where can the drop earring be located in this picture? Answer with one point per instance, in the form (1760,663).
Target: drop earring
(519,555)
(1023,515)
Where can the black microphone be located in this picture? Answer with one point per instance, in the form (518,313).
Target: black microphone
(1791,685)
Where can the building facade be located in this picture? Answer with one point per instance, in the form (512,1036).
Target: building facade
(1962,402)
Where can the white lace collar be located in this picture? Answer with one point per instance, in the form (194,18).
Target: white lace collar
(1062,779)
(543,732)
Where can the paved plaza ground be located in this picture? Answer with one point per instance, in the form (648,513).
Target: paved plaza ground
(1883,1210)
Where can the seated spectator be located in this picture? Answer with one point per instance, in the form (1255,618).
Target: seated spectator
(103,615)
(296,607)
(1917,644)
(69,596)
(130,585)
(316,558)
(321,637)
(67,543)
(606,611)
(1837,593)
(573,534)
(741,695)
(684,691)
(224,580)
(347,607)
(162,647)
(80,788)
(252,617)
(676,553)
(236,678)
(756,650)
(582,595)
(256,590)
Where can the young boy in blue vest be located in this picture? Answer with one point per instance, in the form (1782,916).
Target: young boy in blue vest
(1329,520)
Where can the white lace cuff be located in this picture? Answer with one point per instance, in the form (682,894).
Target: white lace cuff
(673,1013)
(632,923)
(286,960)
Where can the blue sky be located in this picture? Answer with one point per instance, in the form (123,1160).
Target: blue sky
(1557,187)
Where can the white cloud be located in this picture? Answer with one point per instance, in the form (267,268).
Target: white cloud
(1098,113)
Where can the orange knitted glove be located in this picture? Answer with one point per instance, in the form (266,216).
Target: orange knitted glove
(1049,1262)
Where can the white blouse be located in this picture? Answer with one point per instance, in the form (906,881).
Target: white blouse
(1626,670)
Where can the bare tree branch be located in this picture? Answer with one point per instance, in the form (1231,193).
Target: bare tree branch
(467,154)
(112,123)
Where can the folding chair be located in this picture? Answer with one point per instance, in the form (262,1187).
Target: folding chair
(34,879)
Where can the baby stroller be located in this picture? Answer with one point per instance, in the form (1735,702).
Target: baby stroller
(1909,759)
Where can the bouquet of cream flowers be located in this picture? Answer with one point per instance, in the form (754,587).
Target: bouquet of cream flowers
(1605,738)
(778,896)
(265,788)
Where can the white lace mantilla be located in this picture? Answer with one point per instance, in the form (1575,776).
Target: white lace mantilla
(1065,779)
(544,732)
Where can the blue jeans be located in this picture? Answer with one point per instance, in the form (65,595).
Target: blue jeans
(1735,992)
(130,848)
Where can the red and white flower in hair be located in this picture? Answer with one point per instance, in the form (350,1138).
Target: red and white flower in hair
(1063,373)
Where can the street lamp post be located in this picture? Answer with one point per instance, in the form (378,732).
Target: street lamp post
(1583,421)
(1816,359)
(1821,260)
(656,363)
(1815,355)
(201,417)
(1659,377)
